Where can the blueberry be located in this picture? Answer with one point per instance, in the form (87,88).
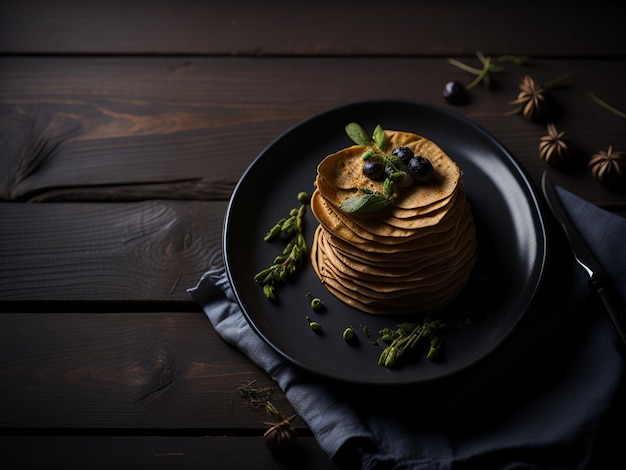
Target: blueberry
(420,168)
(374,169)
(403,153)
(455,93)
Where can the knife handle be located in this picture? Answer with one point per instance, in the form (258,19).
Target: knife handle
(615,307)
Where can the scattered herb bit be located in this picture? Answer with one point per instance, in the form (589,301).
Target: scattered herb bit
(433,350)
(317,304)
(315,326)
(366,331)
(285,265)
(607,106)
(304,198)
(406,336)
(348,334)
(256,396)
(281,436)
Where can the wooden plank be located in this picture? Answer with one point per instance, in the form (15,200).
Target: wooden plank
(143,252)
(281,27)
(74,372)
(223,452)
(188,128)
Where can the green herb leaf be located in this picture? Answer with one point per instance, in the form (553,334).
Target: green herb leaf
(380,139)
(358,134)
(394,160)
(369,153)
(365,203)
(388,188)
(397,176)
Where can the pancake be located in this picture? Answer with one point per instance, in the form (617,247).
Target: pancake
(356,229)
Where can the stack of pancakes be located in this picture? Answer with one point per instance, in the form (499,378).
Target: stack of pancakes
(413,256)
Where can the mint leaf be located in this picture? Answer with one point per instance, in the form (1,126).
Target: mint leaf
(358,134)
(388,188)
(380,139)
(365,203)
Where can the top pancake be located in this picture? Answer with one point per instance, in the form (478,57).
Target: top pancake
(343,171)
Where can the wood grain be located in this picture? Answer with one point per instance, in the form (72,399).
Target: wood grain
(282,27)
(65,372)
(157,452)
(139,253)
(146,124)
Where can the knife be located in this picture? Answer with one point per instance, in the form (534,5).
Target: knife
(598,279)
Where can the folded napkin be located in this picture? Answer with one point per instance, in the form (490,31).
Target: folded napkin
(540,402)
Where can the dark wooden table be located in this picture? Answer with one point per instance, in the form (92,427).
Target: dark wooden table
(124,127)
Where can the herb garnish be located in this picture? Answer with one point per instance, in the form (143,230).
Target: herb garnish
(285,265)
(317,304)
(314,325)
(348,334)
(407,336)
(256,396)
(369,200)
(489,66)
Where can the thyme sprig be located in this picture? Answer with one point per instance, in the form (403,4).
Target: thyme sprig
(408,335)
(490,66)
(286,264)
(368,200)
(256,396)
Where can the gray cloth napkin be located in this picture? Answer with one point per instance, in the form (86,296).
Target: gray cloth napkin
(539,402)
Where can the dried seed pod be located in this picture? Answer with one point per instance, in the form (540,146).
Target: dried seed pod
(281,436)
(609,168)
(554,147)
(531,100)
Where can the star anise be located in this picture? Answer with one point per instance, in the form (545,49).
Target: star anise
(531,99)
(609,168)
(281,436)
(554,147)
(531,102)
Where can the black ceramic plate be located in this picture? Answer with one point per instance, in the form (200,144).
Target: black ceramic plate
(510,231)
